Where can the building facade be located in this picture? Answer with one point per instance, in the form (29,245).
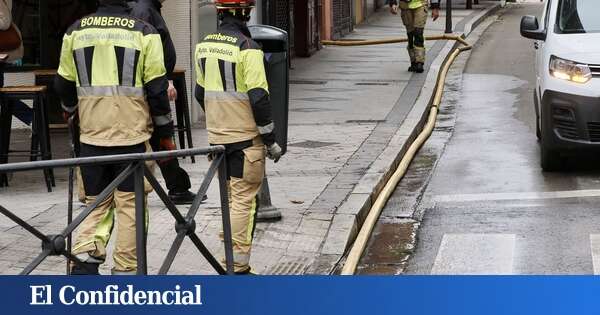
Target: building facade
(307,22)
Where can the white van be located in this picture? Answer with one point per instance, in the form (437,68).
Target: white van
(567,91)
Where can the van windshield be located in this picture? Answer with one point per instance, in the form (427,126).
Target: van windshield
(578,16)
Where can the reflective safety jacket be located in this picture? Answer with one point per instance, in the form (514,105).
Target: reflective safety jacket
(232,86)
(415,4)
(112,71)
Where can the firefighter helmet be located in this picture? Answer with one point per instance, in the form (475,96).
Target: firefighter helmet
(235,4)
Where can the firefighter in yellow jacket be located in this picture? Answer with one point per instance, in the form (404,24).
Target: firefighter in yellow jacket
(112,73)
(414,18)
(233,91)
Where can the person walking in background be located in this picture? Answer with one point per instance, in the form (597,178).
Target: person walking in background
(414,18)
(14,57)
(176,178)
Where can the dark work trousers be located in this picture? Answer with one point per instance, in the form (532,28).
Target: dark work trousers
(176,178)
(98,177)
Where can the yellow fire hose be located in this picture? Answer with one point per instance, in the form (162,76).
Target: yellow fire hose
(367,228)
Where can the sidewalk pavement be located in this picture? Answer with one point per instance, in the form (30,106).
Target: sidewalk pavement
(351,115)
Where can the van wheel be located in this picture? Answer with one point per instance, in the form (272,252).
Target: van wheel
(538,129)
(551,160)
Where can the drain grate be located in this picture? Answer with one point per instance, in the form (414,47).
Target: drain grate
(293,267)
(312,144)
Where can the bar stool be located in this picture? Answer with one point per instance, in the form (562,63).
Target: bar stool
(40,133)
(182,111)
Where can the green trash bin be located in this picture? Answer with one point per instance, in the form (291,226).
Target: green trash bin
(274,43)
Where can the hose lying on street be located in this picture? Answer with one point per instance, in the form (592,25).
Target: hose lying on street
(364,234)
(363,42)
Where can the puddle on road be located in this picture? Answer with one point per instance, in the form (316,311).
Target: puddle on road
(389,255)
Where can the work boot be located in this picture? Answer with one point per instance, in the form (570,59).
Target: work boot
(419,67)
(246,272)
(412,67)
(184,198)
(88,269)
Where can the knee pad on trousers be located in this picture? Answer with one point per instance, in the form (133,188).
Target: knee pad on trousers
(411,40)
(419,39)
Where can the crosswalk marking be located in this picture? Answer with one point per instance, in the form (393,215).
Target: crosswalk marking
(518,196)
(475,254)
(595,245)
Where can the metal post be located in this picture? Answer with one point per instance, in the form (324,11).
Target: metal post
(72,136)
(469,4)
(140,219)
(227,238)
(448,16)
(266,211)
(70,216)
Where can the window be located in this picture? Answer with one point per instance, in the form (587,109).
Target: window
(42,24)
(547,14)
(578,16)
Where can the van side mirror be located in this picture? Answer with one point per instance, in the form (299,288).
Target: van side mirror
(530,28)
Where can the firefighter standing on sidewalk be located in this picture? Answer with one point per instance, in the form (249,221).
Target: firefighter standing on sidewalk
(233,91)
(414,18)
(112,73)
(176,178)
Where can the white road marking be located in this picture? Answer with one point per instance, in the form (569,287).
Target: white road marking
(475,254)
(595,244)
(518,196)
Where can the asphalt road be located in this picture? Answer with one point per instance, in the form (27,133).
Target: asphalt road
(483,204)
(495,211)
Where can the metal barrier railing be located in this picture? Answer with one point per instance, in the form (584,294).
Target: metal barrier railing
(185,225)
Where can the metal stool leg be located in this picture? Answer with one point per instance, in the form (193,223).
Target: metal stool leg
(5,129)
(35,137)
(42,130)
(180,121)
(46,127)
(186,115)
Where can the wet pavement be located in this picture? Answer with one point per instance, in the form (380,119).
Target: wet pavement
(347,105)
(476,191)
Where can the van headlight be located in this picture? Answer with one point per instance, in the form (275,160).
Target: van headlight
(569,70)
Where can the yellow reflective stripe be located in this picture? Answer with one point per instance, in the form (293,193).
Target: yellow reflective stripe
(67,69)
(212,78)
(87,258)
(199,71)
(253,72)
(251,223)
(84,78)
(105,227)
(414,4)
(153,58)
(161,120)
(128,67)
(227,96)
(263,130)
(241,259)
(123,273)
(83,91)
